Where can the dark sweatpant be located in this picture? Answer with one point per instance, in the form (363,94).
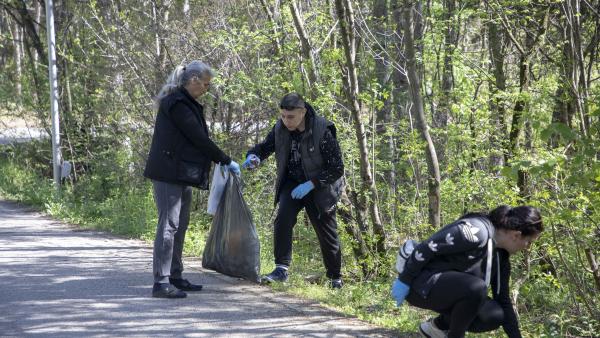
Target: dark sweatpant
(325,226)
(462,302)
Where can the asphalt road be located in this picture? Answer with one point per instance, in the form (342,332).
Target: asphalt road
(20,134)
(59,281)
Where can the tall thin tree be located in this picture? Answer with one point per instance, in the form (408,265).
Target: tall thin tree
(345,14)
(411,16)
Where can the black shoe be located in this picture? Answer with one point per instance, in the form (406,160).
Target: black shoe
(278,275)
(184,284)
(336,283)
(166,290)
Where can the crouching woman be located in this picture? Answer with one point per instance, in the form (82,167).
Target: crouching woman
(450,272)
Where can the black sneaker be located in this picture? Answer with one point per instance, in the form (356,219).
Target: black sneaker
(166,290)
(185,285)
(336,283)
(278,275)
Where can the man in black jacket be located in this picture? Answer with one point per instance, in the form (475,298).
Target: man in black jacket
(309,175)
(180,157)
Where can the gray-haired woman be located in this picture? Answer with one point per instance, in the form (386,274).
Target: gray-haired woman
(180,158)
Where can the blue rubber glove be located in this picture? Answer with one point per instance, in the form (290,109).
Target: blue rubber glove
(234,168)
(251,162)
(302,189)
(399,291)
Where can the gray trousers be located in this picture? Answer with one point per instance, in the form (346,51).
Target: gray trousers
(173,204)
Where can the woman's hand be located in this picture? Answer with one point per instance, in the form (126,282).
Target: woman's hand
(234,168)
(399,291)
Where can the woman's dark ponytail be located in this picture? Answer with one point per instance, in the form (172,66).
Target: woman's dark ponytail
(525,219)
(498,216)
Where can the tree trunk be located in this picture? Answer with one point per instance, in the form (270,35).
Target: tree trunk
(346,17)
(534,34)
(520,105)
(440,118)
(418,111)
(160,16)
(29,26)
(38,18)
(399,72)
(274,27)
(5,25)
(379,24)
(383,138)
(575,61)
(401,104)
(497,89)
(589,254)
(30,41)
(359,246)
(564,101)
(306,49)
(560,114)
(17,36)
(186,9)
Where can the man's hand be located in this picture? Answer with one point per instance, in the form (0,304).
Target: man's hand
(302,189)
(251,162)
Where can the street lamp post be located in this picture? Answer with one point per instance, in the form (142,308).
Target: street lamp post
(56,154)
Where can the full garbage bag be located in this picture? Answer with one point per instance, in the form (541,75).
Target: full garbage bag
(232,247)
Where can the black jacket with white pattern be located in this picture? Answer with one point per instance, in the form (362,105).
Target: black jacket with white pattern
(462,246)
(459,246)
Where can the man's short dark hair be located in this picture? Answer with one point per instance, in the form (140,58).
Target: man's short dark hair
(292,101)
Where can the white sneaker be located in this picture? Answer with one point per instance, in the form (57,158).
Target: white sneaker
(430,330)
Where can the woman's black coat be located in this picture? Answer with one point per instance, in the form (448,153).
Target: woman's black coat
(181,150)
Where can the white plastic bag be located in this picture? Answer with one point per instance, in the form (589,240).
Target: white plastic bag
(217,186)
(404,253)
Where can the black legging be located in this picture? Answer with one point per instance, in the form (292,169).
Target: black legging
(462,302)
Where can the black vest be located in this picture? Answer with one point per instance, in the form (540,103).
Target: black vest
(326,197)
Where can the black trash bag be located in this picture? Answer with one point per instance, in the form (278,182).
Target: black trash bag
(232,247)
